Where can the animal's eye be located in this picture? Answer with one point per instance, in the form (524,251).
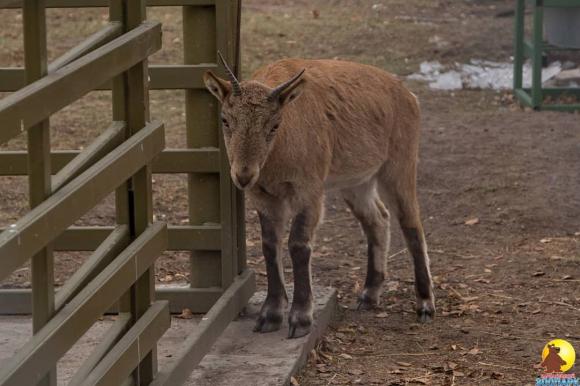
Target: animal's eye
(225,122)
(275,127)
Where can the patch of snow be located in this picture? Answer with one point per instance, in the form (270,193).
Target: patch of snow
(478,74)
(447,81)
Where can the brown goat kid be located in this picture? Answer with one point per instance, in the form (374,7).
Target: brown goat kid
(299,128)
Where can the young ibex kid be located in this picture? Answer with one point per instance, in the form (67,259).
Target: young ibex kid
(301,127)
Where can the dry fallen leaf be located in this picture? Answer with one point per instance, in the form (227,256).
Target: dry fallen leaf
(321,368)
(294,381)
(405,364)
(381,315)
(345,356)
(315,13)
(472,221)
(539,273)
(496,375)
(314,356)
(474,351)
(185,314)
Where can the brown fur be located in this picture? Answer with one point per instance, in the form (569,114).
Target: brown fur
(342,126)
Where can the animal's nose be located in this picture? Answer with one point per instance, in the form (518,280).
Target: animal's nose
(244,177)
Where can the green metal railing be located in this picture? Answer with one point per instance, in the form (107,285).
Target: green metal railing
(534,49)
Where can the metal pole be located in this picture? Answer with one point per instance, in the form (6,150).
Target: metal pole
(537,44)
(519,44)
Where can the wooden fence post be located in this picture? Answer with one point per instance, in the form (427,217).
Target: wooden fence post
(133,199)
(39,177)
(202,131)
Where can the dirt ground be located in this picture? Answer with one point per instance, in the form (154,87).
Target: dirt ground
(499,190)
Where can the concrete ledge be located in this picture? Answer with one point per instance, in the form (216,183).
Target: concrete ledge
(239,357)
(242,357)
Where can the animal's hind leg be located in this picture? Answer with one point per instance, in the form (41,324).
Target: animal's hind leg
(399,188)
(368,208)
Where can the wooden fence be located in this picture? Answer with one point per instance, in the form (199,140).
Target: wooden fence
(64,185)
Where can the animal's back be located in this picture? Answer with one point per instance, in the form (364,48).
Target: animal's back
(359,110)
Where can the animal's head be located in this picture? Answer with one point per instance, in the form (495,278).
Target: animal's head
(251,114)
(553,349)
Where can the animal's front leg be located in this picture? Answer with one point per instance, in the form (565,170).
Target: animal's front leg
(299,243)
(271,315)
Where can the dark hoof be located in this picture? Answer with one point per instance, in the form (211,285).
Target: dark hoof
(298,330)
(365,302)
(426,312)
(268,323)
(299,324)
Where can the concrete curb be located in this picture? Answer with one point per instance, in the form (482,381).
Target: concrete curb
(242,357)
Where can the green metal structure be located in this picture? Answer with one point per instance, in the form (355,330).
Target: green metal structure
(64,185)
(534,49)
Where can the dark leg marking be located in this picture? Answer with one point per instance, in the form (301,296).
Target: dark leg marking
(271,314)
(300,317)
(374,219)
(423,284)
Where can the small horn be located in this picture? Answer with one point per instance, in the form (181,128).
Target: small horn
(233,79)
(278,90)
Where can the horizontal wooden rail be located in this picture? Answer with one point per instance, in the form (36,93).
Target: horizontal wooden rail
(103,36)
(37,101)
(126,355)
(162,77)
(104,3)
(181,238)
(12,78)
(101,146)
(201,160)
(198,300)
(177,76)
(45,222)
(49,344)
(170,161)
(197,344)
(103,255)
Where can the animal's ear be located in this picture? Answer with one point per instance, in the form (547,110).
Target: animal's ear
(292,92)
(289,90)
(217,86)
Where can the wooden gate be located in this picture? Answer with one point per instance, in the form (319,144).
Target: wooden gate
(66,184)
